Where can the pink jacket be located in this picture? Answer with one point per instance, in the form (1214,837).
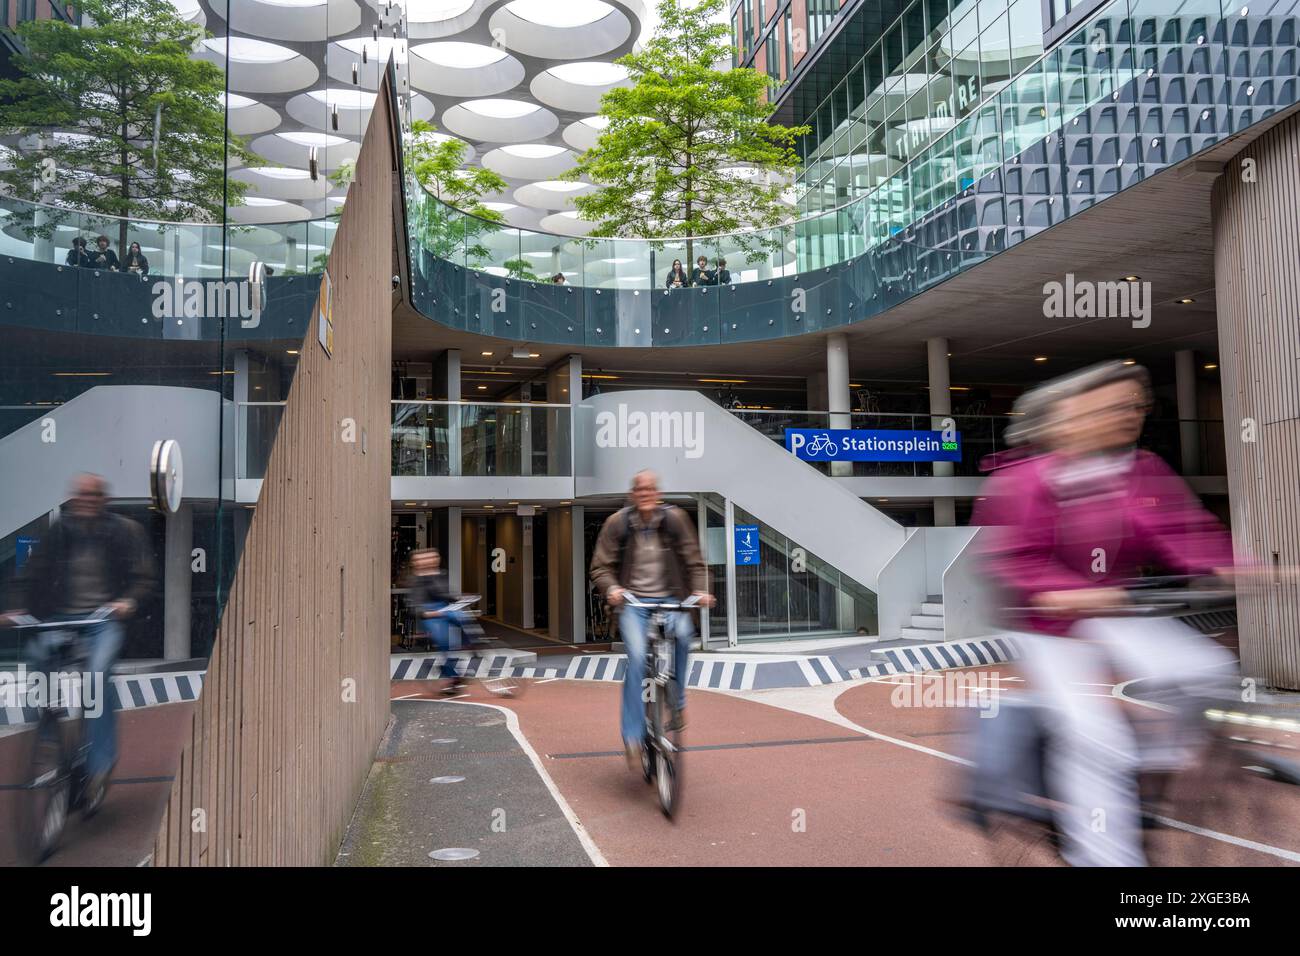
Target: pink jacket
(1047,533)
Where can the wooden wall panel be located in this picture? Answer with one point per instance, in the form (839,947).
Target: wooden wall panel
(1256,205)
(275,756)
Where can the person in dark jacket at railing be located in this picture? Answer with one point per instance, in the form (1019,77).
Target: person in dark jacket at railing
(702,274)
(135,261)
(722,276)
(677,277)
(103,257)
(77,255)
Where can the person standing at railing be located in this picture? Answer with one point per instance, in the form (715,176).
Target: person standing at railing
(103,257)
(77,255)
(702,274)
(135,261)
(721,275)
(677,277)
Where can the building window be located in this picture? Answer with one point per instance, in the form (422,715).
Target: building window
(26,10)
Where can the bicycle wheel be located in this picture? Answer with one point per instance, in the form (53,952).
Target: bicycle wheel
(668,753)
(46,797)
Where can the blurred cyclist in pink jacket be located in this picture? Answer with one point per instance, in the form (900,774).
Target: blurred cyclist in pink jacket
(1081,512)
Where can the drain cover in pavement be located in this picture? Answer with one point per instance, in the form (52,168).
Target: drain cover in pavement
(454,853)
(447,779)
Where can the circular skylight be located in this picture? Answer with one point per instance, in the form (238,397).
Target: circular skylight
(459,55)
(234,101)
(347,99)
(280,172)
(533,150)
(262,201)
(432,11)
(501,109)
(570,14)
(248,50)
(589,74)
(313,139)
(560,186)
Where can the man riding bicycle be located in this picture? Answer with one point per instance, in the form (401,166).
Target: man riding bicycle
(649,550)
(1068,524)
(90,558)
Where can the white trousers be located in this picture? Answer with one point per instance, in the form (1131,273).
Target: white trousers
(1093,755)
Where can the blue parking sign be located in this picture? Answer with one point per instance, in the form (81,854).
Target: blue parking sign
(746,544)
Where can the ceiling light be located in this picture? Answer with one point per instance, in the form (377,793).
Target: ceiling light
(1210,366)
(482,388)
(1186,301)
(724,381)
(486,354)
(1132,278)
(1040,358)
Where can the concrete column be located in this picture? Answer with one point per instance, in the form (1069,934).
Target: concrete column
(244,417)
(733,629)
(454,558)
(526,429)
(701,534)
(177,577)
(446,386)
(563,386)
(291,255)
(838,402)
(1189,433)
(578,577)
(945,511)
(526,573)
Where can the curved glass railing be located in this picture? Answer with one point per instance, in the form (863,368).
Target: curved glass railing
(195,275)
(1142,85)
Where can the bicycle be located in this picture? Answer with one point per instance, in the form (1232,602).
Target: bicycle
(56,783)
(661,762)
(501,684)
(1007,791)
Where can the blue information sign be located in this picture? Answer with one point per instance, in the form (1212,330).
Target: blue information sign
(747,544)
(862,444)
(23,551)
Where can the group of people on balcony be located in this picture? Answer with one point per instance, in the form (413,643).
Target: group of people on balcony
(103,257)
(700,275)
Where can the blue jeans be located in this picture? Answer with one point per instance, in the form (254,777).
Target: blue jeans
(104,640)
(439,631)
(632,623)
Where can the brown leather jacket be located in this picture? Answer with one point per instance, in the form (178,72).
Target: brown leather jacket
(616,550)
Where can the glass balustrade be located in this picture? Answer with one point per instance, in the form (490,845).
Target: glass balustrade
(1141,85)
(481,439)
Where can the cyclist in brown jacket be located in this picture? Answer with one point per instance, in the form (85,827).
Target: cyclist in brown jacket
(649,550)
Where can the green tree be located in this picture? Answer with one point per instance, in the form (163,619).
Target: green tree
(667,161)
(122,120)
(455,218)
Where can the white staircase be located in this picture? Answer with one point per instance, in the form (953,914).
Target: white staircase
(927,625)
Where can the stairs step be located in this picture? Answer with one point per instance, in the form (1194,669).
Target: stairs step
(932,622)
(926,635)
(932,607)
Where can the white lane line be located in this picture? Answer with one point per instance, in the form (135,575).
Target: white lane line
(512,722)
(1235,841)
(825,710)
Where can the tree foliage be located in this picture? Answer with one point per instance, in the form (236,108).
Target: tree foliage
(687,150)
(89,99)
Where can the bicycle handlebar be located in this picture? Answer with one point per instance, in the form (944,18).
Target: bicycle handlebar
(26,622)
(685,604)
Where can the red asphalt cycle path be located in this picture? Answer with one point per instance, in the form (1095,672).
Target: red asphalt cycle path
(787,789)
